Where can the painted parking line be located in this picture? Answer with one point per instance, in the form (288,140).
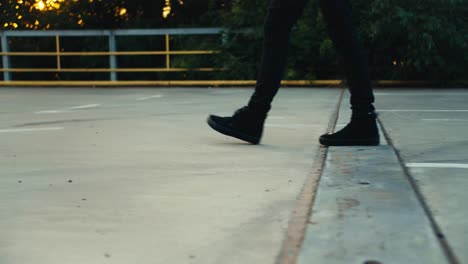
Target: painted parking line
(292,125)
(437,165)
(150,97)
(445,119)
(50,112)
(59,111)
(423,94)
(19,130)
(423,110)
(84,106)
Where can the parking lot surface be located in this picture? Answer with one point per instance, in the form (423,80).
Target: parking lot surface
(134,175)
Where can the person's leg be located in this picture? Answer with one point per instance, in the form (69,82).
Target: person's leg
(362,130)
(281,17)
(247,123)
(337,15)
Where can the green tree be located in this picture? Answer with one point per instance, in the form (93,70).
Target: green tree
(405,39)
(420,39)
(417,39)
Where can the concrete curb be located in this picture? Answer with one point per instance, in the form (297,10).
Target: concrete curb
(366,211)
(437,230)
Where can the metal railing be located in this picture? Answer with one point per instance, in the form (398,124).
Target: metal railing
(112,52)
(114,68)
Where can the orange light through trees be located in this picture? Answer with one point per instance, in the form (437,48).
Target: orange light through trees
(27,14)
(40,5)
(48,4)
(167,7)
(123,11)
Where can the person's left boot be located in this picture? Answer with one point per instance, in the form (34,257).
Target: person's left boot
(246,124)
(361,131)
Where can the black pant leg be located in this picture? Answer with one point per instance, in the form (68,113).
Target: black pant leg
(337,15)
(281,16)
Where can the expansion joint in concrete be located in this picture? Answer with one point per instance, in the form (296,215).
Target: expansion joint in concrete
(300,216)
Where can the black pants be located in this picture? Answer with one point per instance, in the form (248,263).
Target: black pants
(281,16)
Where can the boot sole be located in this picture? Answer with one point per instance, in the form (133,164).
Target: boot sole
(232,133)
(350,142)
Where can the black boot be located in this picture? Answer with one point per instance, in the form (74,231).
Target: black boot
(361,131)
(246,124)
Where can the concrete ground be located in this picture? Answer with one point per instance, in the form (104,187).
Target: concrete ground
(136,176)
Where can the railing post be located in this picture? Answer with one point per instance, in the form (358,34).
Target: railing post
(57,50)
(112,57)
(168,58)
(5,57)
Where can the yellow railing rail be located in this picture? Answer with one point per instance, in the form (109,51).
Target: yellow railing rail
(230,83)
(107,53)
(113,68)
(80,70)
(214,83)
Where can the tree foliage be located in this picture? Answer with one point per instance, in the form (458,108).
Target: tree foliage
(405,40)
(418,39)
(62,14)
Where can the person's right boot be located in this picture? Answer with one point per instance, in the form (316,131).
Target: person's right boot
(246,124)
(361,131)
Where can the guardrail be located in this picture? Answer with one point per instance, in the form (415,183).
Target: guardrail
(112,52)
(113,68)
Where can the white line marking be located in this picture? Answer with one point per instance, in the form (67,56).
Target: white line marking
(419,110)
(442,119)
(423,94)
(276,117)
(291,125)
(66,111)
(437,165)
(150,97)
(49,112)
(84,106)
(29,129)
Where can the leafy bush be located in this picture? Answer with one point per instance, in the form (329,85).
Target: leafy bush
(418,39)
(406,40)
